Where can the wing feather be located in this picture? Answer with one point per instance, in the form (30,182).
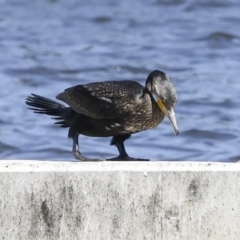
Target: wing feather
(111,99)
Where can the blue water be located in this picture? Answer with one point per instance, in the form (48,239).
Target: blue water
(47,46)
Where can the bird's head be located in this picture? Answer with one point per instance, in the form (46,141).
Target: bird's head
(163,92)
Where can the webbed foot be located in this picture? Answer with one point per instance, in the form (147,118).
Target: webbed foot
(126,158)
(81,158)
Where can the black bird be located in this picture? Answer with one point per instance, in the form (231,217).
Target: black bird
(111,108)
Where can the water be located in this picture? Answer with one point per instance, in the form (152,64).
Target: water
(47,46)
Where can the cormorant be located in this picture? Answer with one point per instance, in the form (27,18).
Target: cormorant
(111,108)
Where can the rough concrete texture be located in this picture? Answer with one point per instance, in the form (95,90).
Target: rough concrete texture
(119,200)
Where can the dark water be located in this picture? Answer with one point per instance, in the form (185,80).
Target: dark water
(47,46)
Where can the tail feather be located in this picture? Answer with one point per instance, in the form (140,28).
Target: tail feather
(43,105)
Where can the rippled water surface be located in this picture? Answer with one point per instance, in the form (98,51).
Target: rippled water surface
(47,46)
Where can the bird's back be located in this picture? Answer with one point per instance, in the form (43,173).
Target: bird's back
(103,100)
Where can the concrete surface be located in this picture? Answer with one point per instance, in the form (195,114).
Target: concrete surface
(119,200)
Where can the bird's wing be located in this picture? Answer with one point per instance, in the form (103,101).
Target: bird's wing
(111,99)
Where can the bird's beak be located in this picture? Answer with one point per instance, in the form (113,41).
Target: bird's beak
(170,114)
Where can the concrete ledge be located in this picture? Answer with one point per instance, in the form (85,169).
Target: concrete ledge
(119,200)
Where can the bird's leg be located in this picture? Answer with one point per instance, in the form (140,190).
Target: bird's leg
(76,153)
(122,152)
(123,156)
